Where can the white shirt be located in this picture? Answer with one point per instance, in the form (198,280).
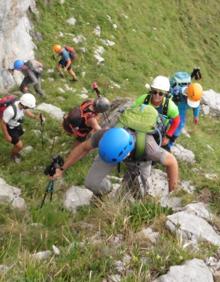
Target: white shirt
(9,113)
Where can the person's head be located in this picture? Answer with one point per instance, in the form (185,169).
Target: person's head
(159,87)
(115,145)
(18,64)
(57,48)
(101,105)
(194,94)
(28,101)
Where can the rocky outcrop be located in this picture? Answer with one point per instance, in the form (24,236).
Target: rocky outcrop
(11,195)
(15,39)
(193,270)
(211,102)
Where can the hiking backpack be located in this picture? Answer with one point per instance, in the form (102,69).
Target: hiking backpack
(141,119)
(71,52)
(35,66)
(6,101)
(75,120)
(178,84)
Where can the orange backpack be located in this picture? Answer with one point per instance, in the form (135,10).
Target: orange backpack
(75,121)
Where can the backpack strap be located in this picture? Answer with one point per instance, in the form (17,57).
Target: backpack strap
(166,106)
(147,99)
(140,145)
(85,110)
(15,110)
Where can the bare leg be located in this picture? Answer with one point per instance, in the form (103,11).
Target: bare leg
(172,171)
(72,73)
(17,148)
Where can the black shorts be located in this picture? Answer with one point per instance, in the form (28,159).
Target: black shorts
(63,64)
(15,133)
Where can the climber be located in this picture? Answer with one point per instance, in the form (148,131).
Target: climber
(128,143)
(84,119)
(11,122)
(32,70)
(190,98)
(159,98)
(68,56)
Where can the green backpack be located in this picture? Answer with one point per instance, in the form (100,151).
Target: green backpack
(143,120)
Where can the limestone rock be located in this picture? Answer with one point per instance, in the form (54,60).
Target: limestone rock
(192,227)
(52,110)
(193,270)
(76,197)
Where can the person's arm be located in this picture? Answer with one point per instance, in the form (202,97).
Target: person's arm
(171,165)
(92,122)
(5,131)
(32,115)
(196,112)
(74,156)
(173,126)
(173,115)
(139,101)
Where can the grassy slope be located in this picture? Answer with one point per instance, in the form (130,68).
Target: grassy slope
(154,37)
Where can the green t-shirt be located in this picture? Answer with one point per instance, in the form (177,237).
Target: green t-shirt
(172,111)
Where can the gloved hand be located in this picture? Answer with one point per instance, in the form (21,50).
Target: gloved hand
(196,120)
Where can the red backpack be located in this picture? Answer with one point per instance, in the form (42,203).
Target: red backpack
(71,52)
(7,101)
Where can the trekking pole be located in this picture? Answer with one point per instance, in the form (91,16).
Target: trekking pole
(49,189)
(42,130)
(98,93)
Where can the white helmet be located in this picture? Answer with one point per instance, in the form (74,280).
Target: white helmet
(28,100)
(161,82)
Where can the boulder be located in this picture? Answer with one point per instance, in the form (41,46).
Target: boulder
(193,270)
(52,110)
(76,197)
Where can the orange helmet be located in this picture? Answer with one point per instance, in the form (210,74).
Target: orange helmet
(57,48)
(194,94)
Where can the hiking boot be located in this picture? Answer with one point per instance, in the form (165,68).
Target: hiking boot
(74,79)
(40,93)
(16,158)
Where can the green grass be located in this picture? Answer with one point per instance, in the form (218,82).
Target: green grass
(152,37)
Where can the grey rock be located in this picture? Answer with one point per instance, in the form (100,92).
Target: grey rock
(191,271)
(42,255)
(15,39)
(200,209)
(212,99)
(52,110)
(71,21)
(192,227)
(10,194)
(183,154)
(76,197)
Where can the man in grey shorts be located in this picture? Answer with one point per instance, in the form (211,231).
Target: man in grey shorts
(116,145)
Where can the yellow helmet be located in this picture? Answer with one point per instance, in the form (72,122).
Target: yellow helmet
(57,48)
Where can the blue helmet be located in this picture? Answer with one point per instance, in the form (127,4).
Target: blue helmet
(115,145)
(18,64)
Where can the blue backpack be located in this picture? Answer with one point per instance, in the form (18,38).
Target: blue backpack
(178,83)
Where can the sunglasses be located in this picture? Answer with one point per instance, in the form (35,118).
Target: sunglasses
(155,92)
